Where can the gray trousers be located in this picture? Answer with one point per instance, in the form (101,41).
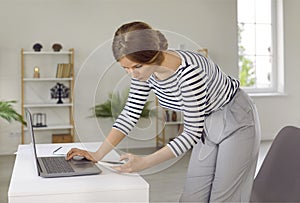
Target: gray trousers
(222,169)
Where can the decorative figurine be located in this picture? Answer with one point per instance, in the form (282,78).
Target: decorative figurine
(56,47)
(36,72)
(37,47)
(39,120)
(59,91)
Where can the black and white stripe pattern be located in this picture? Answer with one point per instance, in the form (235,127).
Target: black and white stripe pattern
(197,88)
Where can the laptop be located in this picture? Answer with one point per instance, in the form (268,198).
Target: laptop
(58,166)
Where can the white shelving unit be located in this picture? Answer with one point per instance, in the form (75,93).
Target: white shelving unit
(53,127)
(46,105)
(70,52)
(174,123)
(36,91)
(46,79)
(165,129)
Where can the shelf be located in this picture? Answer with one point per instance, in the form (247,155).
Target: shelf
(32,87)
(173,122)
(47,53)
(53,127)
(46,79)
(46,105)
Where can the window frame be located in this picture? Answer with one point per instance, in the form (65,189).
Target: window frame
(277,75)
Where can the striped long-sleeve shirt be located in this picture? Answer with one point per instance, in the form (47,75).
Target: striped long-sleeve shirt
(197,88)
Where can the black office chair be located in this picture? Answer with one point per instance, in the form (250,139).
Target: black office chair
(278,179)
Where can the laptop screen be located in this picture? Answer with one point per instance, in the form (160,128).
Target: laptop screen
(30,128)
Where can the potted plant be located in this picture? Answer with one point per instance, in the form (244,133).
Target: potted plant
(115,104)
(8,113)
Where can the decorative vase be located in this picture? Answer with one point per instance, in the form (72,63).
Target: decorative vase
(174,116)
(167,116)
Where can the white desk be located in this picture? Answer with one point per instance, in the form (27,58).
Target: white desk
(27,186)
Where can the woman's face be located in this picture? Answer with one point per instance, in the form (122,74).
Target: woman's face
(138,71)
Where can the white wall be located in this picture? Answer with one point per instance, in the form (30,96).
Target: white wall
(276,112)
(87,26)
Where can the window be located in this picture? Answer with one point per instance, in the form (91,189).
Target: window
(257,42)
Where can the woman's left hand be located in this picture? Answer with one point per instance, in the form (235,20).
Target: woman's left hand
(133,163)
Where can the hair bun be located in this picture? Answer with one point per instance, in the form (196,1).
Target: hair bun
(163,42)
(139,43)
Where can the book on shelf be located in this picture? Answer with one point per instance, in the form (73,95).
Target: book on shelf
(61,138)
(64,70)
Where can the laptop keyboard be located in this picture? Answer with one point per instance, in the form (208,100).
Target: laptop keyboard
(57,165)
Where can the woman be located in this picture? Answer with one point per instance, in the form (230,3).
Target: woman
(220,120)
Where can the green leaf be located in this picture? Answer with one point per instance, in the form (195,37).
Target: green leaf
(8,113)
(115,104)
(246,72)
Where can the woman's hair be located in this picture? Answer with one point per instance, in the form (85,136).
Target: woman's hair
(139,43)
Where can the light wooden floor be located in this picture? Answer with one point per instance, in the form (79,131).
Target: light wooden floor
(165,186)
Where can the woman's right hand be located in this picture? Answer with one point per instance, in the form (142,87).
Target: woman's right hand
(83,153)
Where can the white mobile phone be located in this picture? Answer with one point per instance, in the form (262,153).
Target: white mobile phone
(111,163)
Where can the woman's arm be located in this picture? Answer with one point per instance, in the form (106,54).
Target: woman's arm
(138,94)
(114,137)
(137,163)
